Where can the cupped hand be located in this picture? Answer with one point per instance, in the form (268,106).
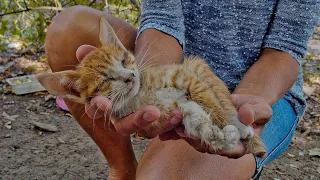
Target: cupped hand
(133,122)
(252,110)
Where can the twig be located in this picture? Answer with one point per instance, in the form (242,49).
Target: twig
(92,3)
(37,8)
(15,12)
(134,2)
(25,4)
(48,8)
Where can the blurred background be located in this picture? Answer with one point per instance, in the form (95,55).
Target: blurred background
(39,140)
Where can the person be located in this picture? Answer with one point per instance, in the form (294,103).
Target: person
(255,47)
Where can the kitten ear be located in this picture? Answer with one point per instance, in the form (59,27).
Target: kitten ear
(64,84)
(107,34)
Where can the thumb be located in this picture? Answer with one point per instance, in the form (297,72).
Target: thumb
(83,50)
(136,121)
(258,113)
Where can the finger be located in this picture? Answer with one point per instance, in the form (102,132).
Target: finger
(258,113)
(137,120)
(97,106)
(237,151)
(83,50)
(183,133)
(194,141)
(164,125)
(169,135)
(246,114)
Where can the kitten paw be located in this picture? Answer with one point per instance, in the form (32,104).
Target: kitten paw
(212,136)
(232,137)
(198,123)
(245,131)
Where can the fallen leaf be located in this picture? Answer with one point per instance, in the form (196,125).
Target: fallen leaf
(40,133)
(49,96)
(40,93)
(8,125)
(70,115)
(8,117)
(314,152)
(308,90)
(294,166)
(44,126)
(291,155)
(279,172)
(61,140)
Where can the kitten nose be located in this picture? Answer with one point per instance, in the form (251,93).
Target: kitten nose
(131,79)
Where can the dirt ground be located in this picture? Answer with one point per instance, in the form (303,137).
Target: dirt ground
(30,153)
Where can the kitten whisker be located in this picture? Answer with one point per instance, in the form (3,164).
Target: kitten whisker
(143,47)
(94,117)
(86,74)
(148,63)
(147,51)
(124,36)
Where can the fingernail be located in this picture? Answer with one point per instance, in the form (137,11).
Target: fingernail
(175,119)
(149,116)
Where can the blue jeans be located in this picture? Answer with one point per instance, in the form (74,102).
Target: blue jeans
(278,132)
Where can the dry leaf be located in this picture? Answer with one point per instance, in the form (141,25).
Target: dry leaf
(8,125)
(70,115)
(44,126)
(7,116)
(308,90)
(40,93)
(314,152)
(61,140)
(40,133)
(294,166)
(291,155)
(49,96)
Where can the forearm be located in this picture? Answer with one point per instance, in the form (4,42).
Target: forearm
(270,77)
(156,48)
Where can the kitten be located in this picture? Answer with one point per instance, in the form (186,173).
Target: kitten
(203,98)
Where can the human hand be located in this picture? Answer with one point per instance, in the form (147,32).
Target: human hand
(133,122)
(252,110)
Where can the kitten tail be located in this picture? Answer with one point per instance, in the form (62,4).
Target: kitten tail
(255,146)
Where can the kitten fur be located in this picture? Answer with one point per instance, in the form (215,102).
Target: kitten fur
(203,98)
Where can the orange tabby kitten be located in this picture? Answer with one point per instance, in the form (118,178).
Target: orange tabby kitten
(203,98)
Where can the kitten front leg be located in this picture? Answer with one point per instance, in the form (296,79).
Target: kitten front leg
(198,123)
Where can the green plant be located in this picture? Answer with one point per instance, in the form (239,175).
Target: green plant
(25,21)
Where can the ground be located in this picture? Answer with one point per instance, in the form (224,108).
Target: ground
(27,152)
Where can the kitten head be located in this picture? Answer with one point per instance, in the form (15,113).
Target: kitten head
(110,71)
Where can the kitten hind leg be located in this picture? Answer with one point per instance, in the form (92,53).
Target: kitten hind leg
(198,123)
(252,142)
(245,131)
